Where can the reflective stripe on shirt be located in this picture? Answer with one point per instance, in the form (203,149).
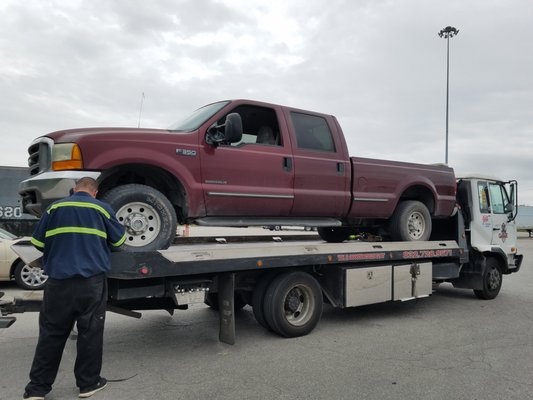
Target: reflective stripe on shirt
(79,204)
(37,243)
(119,243)
(76,229)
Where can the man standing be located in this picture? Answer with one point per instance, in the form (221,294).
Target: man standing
(75,235)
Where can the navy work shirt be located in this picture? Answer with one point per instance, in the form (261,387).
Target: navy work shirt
(75,235)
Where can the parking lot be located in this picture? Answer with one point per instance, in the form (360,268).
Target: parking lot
(448,346)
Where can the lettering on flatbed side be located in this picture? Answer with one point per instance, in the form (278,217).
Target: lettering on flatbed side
(427,253)
(360,257)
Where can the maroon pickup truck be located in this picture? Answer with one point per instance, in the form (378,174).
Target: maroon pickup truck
(240,163)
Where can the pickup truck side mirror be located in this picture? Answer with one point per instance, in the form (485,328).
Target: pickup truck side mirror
(229,132)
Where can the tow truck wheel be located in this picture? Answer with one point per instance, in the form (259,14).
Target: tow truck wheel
(28,277)
(492,281)
(293,304)
(411,221)
(258,299)
(149,218)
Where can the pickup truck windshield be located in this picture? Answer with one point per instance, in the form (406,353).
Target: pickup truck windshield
(197,118)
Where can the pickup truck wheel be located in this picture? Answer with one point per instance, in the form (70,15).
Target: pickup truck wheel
(149,218)
(28,277)
(492,281)
(411,221)
(293,304)
(334,234)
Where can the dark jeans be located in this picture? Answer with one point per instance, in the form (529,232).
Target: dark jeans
(65,301)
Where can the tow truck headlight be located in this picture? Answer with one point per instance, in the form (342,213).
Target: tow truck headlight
(66,156)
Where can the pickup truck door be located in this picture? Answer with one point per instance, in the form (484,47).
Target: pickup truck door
(253,177)
(322,166)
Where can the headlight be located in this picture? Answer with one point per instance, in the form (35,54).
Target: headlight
(66,156)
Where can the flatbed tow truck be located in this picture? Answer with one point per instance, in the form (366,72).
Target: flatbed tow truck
(287,282)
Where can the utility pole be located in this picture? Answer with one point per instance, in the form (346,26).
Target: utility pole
(141,110)
(447,33)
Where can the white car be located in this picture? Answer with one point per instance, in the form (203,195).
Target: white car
(11,266)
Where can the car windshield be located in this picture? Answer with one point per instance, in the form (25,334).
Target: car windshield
(198,117)
(6,235)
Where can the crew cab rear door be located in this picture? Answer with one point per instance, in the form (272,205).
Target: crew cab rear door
(322,168)
(253,177)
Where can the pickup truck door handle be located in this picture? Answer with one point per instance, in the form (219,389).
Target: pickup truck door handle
(287,164)
(340,168)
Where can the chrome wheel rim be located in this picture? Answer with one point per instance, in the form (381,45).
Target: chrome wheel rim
(416,225)
(141,221)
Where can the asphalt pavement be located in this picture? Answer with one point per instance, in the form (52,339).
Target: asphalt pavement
(445,347)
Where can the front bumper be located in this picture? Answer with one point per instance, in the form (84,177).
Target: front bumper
(41,190)
(517,262)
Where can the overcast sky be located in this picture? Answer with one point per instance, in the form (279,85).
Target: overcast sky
(379,66)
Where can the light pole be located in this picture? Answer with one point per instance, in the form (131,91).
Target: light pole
(447,33)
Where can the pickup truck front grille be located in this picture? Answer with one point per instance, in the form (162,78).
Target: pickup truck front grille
(40,155)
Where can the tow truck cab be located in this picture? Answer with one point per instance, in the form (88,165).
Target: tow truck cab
(488,207)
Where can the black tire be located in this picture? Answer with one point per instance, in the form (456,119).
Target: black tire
(492,280)
(293,304)
(211,299)
(28,277)
(148,216)
(258,298)
(411,221)
(334,234)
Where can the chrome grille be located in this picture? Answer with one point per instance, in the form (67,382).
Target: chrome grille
(40,152)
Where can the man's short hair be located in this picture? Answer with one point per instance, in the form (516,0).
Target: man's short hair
(86,184)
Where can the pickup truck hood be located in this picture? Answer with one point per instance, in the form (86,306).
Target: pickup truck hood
(120,134)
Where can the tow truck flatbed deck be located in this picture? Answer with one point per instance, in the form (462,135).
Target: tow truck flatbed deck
(197,259)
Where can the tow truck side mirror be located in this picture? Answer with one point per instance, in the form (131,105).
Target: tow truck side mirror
(229,132)
(512,207)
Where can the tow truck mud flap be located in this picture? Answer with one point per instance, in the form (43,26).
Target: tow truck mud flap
(387,282)
(226,298)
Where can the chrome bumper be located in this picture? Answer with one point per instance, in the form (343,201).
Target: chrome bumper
(41,190)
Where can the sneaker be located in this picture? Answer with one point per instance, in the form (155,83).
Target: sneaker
(88,392)
(29,397)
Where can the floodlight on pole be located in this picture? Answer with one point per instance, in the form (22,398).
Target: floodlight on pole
(447,33)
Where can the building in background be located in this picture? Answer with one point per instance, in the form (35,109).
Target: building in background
(12,218)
